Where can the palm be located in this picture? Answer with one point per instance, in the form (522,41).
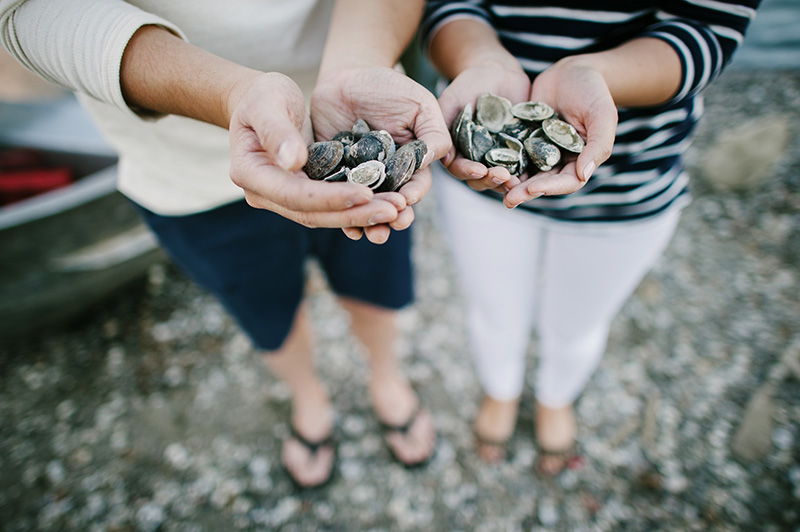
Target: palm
(378,95)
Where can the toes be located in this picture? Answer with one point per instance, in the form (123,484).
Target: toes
(418,443)
(308,469)
(491,454)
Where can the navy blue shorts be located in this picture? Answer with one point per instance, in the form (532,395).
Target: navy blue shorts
(253,261)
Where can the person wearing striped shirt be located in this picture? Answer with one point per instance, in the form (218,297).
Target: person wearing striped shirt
(561,251)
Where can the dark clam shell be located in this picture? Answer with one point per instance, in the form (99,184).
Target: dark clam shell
(338,175)
(418,148)
(323,158)
(543,155)
(482,142)
(464,116)
(360,128)
(370,147)
(399,170)
(388,144)
(347,138)
(517,128)
(464,139)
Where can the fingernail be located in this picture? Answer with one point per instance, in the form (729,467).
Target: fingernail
(588,170)
(498,180)
(448,158)
(537,195)
(381,218)
(285,157)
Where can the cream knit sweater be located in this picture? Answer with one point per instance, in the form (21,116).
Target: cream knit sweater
(172,165)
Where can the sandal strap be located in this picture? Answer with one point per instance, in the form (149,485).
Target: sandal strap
(403,428)
(312,446)
(492,441)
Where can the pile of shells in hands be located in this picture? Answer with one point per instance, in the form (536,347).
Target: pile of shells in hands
(366,157)
(526,137)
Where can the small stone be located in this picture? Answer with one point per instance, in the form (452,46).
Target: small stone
(753,438)
(149,517)
(743,157)
(548,512)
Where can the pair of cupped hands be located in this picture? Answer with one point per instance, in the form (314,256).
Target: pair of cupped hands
(270,130)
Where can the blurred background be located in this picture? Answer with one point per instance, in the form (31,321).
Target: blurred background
(130,401)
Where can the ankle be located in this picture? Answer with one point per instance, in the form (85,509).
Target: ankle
(555,427)
(497,419)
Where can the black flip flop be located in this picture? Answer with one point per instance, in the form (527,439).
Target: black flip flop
(402,429)
(313,448)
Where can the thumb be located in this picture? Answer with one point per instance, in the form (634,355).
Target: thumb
(600,135)
(431,128)
(279,126)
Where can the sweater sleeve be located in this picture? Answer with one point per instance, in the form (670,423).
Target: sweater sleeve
(704,34)
(438,14)
(77,44)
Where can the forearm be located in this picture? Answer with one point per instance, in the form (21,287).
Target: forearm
(369,33)
(641,72)
(465,43)
(162,73)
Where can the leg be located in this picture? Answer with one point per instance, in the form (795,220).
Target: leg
(252,261)
(496,253)
(393,397)
(589,276)
(312,414)
(372,282)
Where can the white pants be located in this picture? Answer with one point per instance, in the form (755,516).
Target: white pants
(521,270)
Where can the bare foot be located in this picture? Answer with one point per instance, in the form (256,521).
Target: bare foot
(395,404)
(555,432)
(310,462)
(494,426)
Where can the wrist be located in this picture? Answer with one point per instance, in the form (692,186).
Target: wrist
(242,82)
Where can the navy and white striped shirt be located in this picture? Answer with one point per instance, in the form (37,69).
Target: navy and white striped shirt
(644,175)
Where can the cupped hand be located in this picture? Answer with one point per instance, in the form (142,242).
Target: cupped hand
(388,100)
(269,133)
(581,96)
(502,80)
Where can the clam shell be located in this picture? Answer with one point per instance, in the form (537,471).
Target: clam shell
(464,116)
(534,111)
(399,170)
(370,147)
(517,128)
(492,111)
(512,143)
(369,173)
(505,157)
(388,144)
(464,139)
(338,175)
(563,135)
(482,142)
(360,128)
(543,155)
(347,138)
(323,158)
(418,148)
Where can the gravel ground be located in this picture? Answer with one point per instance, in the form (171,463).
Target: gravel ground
(153,413)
